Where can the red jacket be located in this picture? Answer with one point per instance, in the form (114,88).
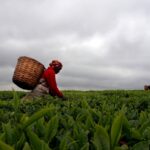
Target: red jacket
(49,76)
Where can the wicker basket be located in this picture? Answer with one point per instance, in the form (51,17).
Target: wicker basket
(27,72)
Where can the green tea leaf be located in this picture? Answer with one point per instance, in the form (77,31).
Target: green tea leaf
(19,145)
(40,127)
(116,130)
(10,134)
(101,139)
(35,142)
(85,147)
(144,126)
(143,117)
(4,146)
(36,116)
(64,142)
(144,145)
(26,146)
(136,134)
(51,128)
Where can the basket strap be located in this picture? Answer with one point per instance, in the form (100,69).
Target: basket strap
(43,82)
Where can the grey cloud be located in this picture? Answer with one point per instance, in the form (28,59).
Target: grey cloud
(6,74)
(102,44)
(84,17)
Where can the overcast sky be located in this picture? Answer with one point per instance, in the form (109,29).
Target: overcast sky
(103,44)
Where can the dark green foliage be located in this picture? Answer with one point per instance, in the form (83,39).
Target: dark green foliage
(87,120)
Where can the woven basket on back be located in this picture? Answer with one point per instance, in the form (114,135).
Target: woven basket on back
(27,72)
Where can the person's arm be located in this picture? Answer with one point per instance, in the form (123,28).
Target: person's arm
(53,89)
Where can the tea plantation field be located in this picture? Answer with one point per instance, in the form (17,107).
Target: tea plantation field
(87,120)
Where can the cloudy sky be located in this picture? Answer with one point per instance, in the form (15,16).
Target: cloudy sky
(103,44)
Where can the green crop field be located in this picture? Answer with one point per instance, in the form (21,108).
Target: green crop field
(87,120)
